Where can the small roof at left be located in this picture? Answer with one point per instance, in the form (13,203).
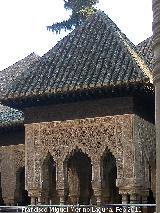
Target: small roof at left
(10,116)
(10,74)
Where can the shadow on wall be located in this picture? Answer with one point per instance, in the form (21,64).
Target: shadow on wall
(1,198)
(21,195)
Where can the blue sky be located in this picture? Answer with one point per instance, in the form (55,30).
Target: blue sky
(23,24)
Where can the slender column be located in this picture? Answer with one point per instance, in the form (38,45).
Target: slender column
(35,195)
(39,200)
(44,199)
(61,196)
(144,201)
(144,196)
(156,76)
(124,198)
(125,201)
(33,200)
(134,200)
(97,180)
(61,182)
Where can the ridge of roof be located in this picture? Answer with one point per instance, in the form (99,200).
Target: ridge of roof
(31,55)
(95,54)
(140,62)
(10,116)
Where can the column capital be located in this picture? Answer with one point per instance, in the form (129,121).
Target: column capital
(129,184)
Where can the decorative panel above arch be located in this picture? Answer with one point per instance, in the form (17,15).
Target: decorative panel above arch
(91,135)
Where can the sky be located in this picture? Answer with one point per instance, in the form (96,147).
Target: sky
(23,24)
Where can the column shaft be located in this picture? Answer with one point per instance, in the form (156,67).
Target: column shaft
(134,199)
(156,76)
(144,201)
(33,201)
(61,181)
(97,181)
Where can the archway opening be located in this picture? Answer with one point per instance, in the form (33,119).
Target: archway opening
(21,195)
(79,175)
(1,198)
(49,193)
(110,193)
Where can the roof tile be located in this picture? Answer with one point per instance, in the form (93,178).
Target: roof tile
(10,74)
(10,116)
(96,53)
(145,50)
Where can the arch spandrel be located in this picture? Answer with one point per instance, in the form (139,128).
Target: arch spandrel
(90,135)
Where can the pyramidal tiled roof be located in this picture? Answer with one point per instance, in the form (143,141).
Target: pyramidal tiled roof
(145,50)
(10,116)
(9,75)
(96,54)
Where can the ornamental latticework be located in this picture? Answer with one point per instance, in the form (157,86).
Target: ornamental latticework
(130,139)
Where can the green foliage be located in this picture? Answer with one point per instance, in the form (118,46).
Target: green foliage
(81,9)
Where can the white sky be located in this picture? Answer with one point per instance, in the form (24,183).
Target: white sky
(23,24)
